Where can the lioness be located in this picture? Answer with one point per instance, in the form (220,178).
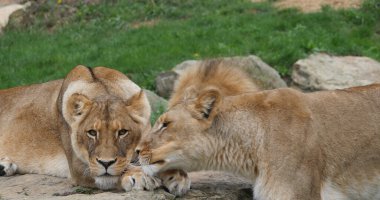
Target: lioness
(322,145)
(85,127)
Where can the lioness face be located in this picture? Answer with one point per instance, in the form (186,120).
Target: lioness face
(105,132)
(178,138)
(106,139)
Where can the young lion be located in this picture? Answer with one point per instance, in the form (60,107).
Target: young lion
(84,127)
(228,79)
(322,145)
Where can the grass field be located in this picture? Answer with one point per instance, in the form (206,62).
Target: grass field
(143,38)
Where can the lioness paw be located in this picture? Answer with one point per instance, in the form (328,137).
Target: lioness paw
(176,181)
(7,167)
(135,178)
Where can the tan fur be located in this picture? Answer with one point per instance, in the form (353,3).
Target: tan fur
(229,80)
(43,127)
(322,145)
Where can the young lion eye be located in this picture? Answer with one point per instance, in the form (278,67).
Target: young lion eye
(164,125)
(92,133)
(122,132)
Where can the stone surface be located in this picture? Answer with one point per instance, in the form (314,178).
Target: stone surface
(326,72)
(205,185)
(262,74)
(165,83)
(8,10)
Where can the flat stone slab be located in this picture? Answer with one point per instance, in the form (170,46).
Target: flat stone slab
(205,185)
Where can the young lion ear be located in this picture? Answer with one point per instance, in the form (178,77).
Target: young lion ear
(139,107)
(78,105)
(207,103)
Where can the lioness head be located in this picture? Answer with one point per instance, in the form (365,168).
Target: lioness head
(179,140)
(106,113)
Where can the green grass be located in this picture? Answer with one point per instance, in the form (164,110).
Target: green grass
(159,109)
(103,35)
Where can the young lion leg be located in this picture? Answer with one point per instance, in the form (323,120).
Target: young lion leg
(7,167)
(176,181)
(134,178)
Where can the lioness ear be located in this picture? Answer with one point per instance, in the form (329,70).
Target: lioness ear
(207,102)
(139,107)
(77,105)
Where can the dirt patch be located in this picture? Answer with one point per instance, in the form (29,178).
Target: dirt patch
(50,14)
(8,2)
(147,23)
(315,5)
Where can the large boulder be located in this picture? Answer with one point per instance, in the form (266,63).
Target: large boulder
(262,74)
(205,185)
(325,72)
(8,10)
(165,83)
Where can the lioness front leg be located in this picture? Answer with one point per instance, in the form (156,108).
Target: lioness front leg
(176,181)
(7,167)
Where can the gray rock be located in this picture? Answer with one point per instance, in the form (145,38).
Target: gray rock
(165,83)
(205,185)
(156,102)
(262,74)
(8,10)
(326,72)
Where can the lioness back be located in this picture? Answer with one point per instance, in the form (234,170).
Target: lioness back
(28,116)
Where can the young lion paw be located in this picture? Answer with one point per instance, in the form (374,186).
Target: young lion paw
(134,178)
(7,167)
(176,181)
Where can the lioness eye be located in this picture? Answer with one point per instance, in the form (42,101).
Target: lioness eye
(165,124)
(122,132)
(92,133)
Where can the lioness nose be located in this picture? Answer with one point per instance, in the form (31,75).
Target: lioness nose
(137,151)
(106,163)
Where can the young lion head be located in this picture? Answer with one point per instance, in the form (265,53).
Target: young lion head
(174,140)
(106,113)
(179,139)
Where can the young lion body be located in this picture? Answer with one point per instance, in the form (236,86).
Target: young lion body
(210,74)
(323,145)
